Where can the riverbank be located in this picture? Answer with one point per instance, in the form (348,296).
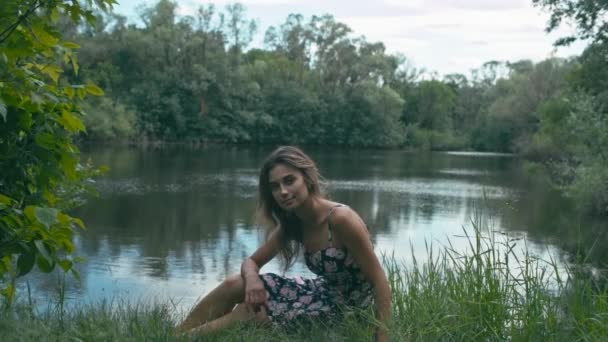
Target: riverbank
(495,291)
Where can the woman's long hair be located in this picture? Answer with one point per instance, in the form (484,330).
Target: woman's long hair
(269,212)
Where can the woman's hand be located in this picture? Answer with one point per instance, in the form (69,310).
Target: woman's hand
(255,293)
(246,312)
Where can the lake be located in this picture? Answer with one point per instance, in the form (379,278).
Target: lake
(171,223)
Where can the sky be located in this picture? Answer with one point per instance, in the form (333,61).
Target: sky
(444,36)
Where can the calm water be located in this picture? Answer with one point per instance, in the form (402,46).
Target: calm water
(172,223)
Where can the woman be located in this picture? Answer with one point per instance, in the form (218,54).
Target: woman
(336,247)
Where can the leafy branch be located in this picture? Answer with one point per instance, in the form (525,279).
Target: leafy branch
(22,18)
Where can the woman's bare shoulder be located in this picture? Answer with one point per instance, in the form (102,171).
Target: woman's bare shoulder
(346,217)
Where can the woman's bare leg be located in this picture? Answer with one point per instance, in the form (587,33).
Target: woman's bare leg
(216,304)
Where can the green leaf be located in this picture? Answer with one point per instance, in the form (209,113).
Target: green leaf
(25,263)
(45,140)
(63,219)
(54,15)
(46,216)
(65,265)
(52,71)
(75,66)
(29,213)
(32,188)
(5,202)
(81,93)
(70,122)
(93,89)
(67,245)
(69,92)
(44,265)
(42,250)
(78,222)
(68,165)
(8,292)
(5,199)
(75,273)
(49,197)
(5,264)
(79,259)
(74,12)
(3,111)
(70,45)
(24,119)
(12,221)
(43,36)
(90,18)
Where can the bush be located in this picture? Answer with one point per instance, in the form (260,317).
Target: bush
(107,119)
(426,140)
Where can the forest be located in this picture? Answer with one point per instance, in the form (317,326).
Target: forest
(197,79)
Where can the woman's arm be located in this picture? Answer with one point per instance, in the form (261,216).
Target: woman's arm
(250,268)
(351,231)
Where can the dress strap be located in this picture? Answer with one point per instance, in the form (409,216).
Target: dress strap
(331,211)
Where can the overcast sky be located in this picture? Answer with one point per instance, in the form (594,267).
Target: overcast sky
(446,36)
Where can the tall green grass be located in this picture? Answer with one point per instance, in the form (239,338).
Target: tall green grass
(495,290)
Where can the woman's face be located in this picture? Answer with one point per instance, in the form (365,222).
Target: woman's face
(288,187)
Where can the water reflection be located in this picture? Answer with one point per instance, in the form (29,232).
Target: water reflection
(172,223)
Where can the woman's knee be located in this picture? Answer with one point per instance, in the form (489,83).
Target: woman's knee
(235,285)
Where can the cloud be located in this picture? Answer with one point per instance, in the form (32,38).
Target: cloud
(479,5)
(451,39)
(248,3)
(443,35)
(479,42)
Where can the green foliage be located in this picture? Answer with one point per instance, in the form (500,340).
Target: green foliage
(495,290)
(41,174)
(431,104)
(189,78)
(425,139)
(573,129)
(589,17)
(375,116)
(108,120)
(581,168)
(513,104)
(592,73)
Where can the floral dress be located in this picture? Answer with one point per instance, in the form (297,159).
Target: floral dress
(340,283)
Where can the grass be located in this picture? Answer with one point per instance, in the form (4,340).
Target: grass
(495,291)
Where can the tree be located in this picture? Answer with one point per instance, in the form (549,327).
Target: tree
(294,39)
(512,115)
(591,75)
(240,30)
(588,15)
(581,167)
(375,116)
(431,105)
(41,175)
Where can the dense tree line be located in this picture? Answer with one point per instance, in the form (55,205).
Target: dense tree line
(192,79)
